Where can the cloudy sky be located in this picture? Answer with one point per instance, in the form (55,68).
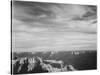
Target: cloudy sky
(55,27)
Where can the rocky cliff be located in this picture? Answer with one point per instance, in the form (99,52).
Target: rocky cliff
(27,65)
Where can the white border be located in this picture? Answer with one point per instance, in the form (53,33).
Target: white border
(5,33)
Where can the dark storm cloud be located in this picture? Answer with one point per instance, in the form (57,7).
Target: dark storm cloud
(90,14)
(34,10)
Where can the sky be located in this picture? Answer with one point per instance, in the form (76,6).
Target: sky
(38,26)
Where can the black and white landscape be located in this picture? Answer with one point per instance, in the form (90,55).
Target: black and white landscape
(53,37)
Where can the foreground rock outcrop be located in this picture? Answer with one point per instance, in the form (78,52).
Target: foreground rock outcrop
(38,65)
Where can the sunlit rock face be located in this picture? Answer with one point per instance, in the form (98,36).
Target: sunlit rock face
(38,65)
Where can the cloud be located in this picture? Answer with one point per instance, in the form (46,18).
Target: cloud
(41,26)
